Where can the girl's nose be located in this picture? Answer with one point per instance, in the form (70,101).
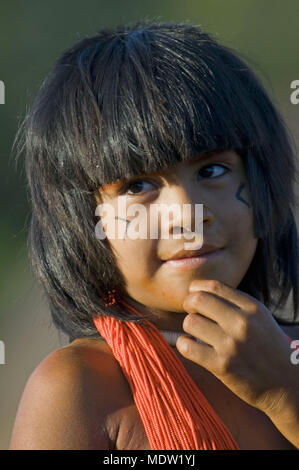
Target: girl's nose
(187,212)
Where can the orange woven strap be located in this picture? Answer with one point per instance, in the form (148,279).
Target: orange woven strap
(175,413)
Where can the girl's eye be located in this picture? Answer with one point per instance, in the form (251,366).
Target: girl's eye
(206,171)
(141,186)
(136,187)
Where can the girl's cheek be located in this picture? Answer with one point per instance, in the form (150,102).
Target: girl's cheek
(236,215)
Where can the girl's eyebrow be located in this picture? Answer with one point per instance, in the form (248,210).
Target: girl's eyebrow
(221,153)
(203,156)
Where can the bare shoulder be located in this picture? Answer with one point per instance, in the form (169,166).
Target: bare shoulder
(67,400)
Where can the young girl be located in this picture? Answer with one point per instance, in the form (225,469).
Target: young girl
(170,348)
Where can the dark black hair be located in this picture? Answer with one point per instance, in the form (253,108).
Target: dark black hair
(136,99)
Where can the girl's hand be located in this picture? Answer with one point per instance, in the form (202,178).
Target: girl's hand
(245,349)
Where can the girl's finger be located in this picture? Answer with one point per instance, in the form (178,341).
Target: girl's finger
(218,309)
(203,328)
(240,299)
(202,354)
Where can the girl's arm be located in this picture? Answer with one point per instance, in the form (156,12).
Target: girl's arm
(285,416)
(57,409)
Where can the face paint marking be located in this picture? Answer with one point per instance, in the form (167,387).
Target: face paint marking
(238,194)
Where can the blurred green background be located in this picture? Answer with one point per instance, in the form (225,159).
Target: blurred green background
(33,35)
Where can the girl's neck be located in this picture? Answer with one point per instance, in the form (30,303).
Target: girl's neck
(168,323)
(163,320)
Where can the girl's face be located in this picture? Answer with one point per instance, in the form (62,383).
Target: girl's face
(217,180)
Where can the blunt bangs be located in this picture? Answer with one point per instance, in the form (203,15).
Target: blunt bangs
(146,99)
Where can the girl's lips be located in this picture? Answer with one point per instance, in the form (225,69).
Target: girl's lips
(194,262)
